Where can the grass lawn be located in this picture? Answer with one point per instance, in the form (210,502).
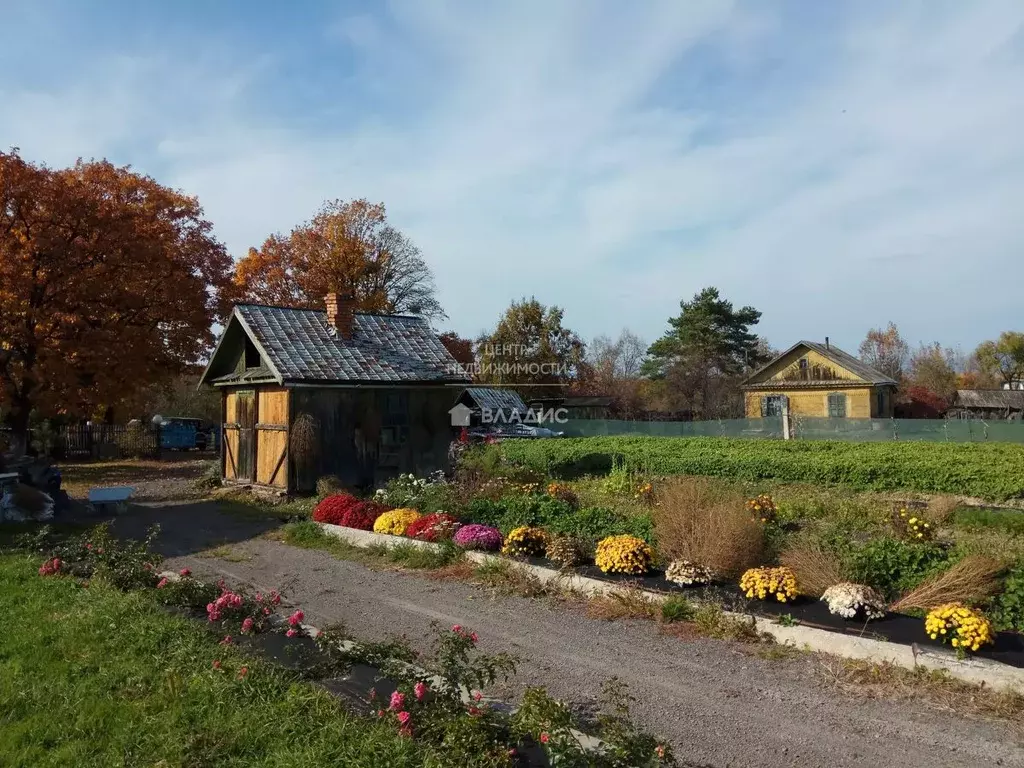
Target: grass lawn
(95,677)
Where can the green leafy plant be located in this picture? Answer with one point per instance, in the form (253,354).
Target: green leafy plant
(893,566)
(677,609)
(1008,607)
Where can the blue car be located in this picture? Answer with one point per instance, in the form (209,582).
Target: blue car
(178,433)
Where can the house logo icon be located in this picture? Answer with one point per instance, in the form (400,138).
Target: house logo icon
(460,415)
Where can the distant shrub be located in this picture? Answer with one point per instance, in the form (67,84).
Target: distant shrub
(328,485)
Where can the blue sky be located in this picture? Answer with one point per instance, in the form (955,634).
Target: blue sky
(837,165)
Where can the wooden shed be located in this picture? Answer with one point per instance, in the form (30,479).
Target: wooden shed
(995,404)
(308,393)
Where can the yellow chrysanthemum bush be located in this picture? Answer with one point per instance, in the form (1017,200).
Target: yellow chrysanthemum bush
(525,541)
(911,525)
(763,508)
(624,554)
(762,582)
(396,521)
(966,629)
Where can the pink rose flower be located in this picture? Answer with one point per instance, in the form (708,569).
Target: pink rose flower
(473,637)
(296,617)
(247,624)
(420,690)
(161,584)
(544,738)
(243,672)
(404,718)
(397,700)
(184,572)
(457,628)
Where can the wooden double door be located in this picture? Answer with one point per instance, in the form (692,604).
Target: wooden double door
(256,436)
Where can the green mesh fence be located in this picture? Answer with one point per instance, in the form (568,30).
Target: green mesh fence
(769,427)
(807,428)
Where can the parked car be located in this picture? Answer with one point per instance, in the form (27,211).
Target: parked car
(181,433)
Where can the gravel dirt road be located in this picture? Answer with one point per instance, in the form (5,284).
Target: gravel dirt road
(718,704)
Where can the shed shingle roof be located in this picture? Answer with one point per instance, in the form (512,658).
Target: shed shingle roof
(301,346)
(996,399)
(496,399)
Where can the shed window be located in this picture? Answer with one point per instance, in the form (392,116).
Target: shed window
(837,406)
(252,355)
(881,403)
(772,405)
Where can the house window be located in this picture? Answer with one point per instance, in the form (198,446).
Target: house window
(803,363)
(773,405)
(395,420)
(881,404)
(837,406)
(252,355)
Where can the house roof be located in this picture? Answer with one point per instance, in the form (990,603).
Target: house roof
(857,367)
(995,399)
(577,401)
(298,345)
(496,399)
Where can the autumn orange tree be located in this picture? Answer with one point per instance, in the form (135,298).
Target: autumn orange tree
(108,282)
(347,247)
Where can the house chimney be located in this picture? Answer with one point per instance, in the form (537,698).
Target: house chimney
(340,308)
(826,343)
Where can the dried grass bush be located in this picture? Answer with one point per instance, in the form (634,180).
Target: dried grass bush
(815,567)
(698,521)
(941,508)
(973,579)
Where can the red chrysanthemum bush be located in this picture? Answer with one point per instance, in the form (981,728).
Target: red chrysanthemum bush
(331,509)
(362,515)
(439,526)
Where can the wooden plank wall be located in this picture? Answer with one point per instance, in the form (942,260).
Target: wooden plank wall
(272,438)
(230,436)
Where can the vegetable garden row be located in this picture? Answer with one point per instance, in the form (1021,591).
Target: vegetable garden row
(993,471)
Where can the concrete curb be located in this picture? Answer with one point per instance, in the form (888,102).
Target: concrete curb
(972,669)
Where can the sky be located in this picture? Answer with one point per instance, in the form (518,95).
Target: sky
(836,165)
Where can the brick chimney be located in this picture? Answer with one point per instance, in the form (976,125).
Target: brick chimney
(340,308)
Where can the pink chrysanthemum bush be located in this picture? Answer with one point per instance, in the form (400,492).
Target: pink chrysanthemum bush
(476,536)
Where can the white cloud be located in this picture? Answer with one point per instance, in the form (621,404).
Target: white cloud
(611,158)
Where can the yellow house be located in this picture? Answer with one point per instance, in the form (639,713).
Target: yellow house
(819,380)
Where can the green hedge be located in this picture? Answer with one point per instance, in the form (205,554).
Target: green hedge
(993,471)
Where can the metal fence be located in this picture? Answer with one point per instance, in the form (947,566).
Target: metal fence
(809,428)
